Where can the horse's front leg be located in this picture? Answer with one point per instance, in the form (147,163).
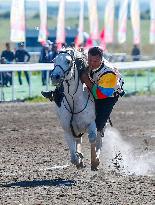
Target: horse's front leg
(92,135)
(74,145)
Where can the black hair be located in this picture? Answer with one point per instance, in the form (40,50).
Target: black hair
(94,51)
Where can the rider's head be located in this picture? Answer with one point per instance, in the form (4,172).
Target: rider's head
(95,57)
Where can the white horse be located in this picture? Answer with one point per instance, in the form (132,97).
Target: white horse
(77,111)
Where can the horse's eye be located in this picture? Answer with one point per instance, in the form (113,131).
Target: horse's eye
(68,61)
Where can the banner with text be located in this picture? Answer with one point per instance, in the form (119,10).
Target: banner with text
(43,21)
(109,21)
(80,37)
(93,19)
(17,21)
(122,21)
(152,21)
(60,34)
(135,20)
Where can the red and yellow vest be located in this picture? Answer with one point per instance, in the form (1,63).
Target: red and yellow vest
(107,80)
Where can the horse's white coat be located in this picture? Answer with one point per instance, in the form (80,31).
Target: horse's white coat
(77,101)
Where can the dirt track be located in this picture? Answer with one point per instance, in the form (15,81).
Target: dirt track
(32,145)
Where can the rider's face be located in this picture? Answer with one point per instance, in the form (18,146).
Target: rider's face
(94,62)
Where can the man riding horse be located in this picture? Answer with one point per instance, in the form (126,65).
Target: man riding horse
(102,80)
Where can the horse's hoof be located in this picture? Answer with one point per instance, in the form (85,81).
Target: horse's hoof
(94,166)
(78,161)
(80,165)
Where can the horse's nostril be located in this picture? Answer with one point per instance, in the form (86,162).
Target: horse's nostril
(57,77)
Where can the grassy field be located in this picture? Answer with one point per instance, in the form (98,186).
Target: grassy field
(132,85)
(146,48)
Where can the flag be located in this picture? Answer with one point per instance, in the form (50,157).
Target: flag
(135,20)
(102,39)
(152,21)
(122,21)
(109,21)
(17,21)
(93,19)
(43,21)
(89,43)
(80,38)
(60,34)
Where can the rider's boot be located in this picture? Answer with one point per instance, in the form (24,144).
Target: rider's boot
(48,95)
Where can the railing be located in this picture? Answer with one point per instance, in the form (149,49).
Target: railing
(25,67)
(124,66)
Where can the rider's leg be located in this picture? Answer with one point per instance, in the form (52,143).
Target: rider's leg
(103,110)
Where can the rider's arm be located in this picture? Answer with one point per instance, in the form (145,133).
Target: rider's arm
(85,79)
(105,86)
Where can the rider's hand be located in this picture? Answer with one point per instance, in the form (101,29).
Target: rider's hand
(85,79)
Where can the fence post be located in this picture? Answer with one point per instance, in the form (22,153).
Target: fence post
(47,78)
(148,81)
(2,92)
(30,84)
(135,80)
(13,85)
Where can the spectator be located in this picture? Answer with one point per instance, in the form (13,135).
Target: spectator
(8,54)
(53,53)
(135,53)
(9,57)
(5,77)
(22,56)
(44,58)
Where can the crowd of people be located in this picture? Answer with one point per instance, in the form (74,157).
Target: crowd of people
(21,55)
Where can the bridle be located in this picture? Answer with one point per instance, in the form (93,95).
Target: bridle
(66,72)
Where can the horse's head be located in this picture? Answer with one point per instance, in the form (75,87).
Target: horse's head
(63,64)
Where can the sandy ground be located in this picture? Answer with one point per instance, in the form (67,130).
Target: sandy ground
(33,152)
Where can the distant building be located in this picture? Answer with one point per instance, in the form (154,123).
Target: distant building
(32,43)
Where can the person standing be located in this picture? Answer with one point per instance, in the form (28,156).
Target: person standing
(8,54)
(22,56)
(44,58)
(135,53)
(9,57)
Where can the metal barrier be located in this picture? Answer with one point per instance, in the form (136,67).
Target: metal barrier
(24,67)
(135,66)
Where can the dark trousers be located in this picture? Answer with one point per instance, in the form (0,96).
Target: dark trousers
(103,110)
(5,78)
(43,77)
(20,77)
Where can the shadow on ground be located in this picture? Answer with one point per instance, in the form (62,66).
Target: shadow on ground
(37,183)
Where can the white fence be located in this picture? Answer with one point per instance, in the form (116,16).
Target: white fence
(137,65)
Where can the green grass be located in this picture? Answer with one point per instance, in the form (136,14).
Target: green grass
(22,91)
(146,48)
